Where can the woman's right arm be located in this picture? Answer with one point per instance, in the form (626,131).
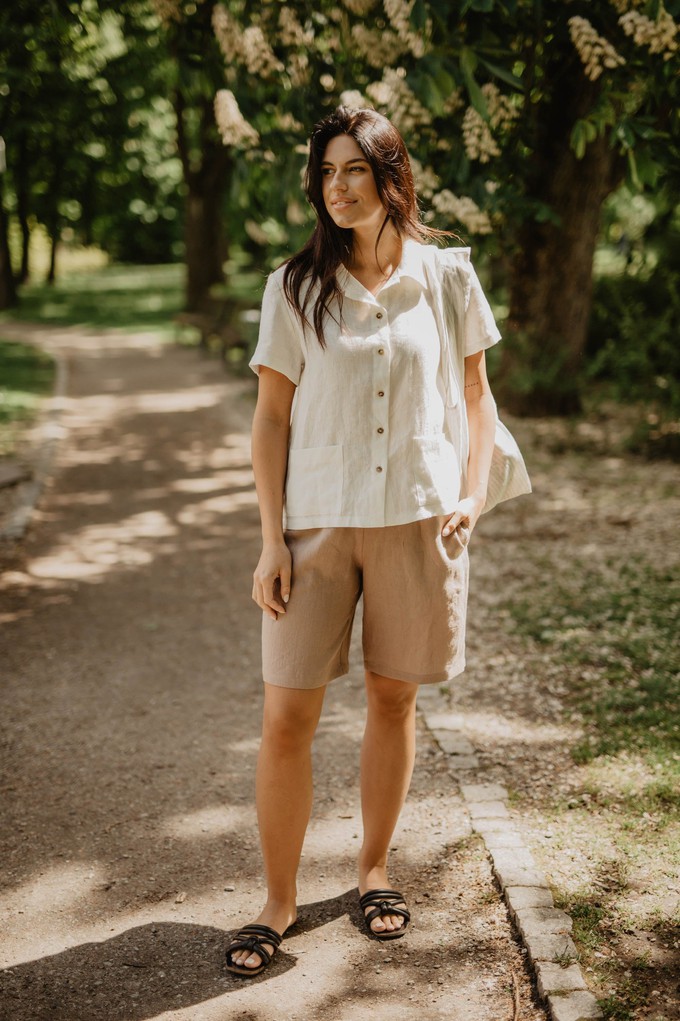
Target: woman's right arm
(271,427)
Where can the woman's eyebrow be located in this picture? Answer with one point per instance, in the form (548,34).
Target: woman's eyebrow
(357,159)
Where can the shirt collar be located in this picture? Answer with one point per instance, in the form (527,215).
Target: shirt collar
(411,265)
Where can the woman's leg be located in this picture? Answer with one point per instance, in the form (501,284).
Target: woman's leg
(284,799)
(387,757)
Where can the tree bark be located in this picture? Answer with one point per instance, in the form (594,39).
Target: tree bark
(550,276)
(22,192)
(207,182)
(8,291)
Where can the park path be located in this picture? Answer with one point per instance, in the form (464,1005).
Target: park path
(130,718)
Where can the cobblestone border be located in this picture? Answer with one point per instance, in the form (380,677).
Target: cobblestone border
(46,435)
(544,929)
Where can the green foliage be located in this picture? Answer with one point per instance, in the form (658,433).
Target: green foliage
(120,297)
(26,375)
(619,628)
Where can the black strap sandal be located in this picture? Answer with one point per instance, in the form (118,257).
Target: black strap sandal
(252,938)
(383,903)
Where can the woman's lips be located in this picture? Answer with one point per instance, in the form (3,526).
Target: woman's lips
(341,203)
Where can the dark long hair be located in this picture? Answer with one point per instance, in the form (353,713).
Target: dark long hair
(330,245)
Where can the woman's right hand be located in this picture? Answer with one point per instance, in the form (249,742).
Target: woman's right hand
(273,573)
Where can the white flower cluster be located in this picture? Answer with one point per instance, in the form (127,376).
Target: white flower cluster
(478,138)
(426,181)
(463,209)
(396,99)
(359,7)
(231,124)
(291,32)
(353,99)
(399,13)
(620,6)
(258,55)
(379,49)
(298,68)
(595,51)
(167,11)
(287,122)
(658,36)
(228,32)
(248,46)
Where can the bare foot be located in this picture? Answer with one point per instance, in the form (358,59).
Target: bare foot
(278,917)
(376,879)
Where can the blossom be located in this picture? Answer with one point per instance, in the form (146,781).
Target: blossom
(353,99)
(168,11)
(478,137)
(258,55)
(394,95)
(228,33)
(399,14)
(378,48)
(659,36)
(425,179)
(463,209)
(360,7)
(291,32)
(595,51)
(231,124)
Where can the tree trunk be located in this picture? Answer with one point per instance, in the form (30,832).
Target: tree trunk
(22,192)
(8,291)
(207,183)
(551,273)
(205,246)
(54,242)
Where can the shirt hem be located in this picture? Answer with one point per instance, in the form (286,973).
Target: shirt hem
(299,523)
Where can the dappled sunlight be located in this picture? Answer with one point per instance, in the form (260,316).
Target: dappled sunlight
(207,510)
(217,820)
(47,902)
(96,548)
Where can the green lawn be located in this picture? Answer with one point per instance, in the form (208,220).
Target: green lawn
(26,376)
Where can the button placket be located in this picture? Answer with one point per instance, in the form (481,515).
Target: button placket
(381,380)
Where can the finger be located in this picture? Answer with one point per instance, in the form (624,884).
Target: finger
(452,523)
(270,599)
(285,583)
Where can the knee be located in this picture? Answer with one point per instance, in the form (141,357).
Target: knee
(289,729)
(389,698)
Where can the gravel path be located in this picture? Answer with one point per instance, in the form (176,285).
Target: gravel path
(130,719)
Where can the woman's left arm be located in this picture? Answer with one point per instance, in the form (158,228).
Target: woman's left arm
(481,415)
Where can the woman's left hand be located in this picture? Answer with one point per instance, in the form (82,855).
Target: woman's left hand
(463,520)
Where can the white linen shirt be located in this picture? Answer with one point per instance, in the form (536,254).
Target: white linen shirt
(367,446)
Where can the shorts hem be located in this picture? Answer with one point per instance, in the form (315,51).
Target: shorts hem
(340,672)
(440,677)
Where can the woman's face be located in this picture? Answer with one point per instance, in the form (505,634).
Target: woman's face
(349,189)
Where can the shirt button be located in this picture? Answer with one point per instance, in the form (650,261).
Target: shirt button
(381,393)
(378,315)
(378,469)
(380,429)
(381,350)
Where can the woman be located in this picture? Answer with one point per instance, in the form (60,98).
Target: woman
(352,437)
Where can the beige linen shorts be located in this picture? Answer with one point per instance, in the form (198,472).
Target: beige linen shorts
(415,587)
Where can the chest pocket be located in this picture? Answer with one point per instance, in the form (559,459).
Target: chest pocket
(436,471)
(314,481)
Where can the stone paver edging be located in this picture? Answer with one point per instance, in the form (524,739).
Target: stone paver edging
(544,929)
(46,435)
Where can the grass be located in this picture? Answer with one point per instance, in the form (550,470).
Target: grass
(123,297)
(613,625)
(26,375)
(616,627)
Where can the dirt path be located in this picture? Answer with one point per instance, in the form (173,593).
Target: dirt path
(130,717)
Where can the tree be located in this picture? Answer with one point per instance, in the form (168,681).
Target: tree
(522,116)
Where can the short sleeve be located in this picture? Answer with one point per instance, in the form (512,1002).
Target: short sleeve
(279,344)
(480,330)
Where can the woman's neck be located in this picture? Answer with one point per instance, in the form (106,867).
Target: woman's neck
(365,256)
